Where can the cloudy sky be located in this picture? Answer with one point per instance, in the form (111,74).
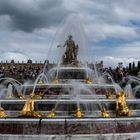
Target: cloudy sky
(28,28)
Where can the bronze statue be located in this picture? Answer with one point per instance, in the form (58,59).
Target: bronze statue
(70,55)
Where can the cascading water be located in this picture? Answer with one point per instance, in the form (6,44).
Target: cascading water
(128,91)
(10,92)
(95,69)
(116,86)
(42,78)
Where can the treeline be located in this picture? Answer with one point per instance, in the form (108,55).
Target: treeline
(134,69)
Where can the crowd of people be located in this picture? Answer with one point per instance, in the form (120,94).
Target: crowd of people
(117,73)
(31,72)
(21,73)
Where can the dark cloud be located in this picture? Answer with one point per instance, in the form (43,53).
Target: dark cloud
(33,14)
(103,21)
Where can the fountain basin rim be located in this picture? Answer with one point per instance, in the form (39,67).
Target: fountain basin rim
(116,119)
(69,85)
(70,100)
(71,135)
(71,67)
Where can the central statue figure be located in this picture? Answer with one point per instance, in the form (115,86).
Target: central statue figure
(70,56)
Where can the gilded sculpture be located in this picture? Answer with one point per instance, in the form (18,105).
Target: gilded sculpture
(121,105)
(79,113)
(28,109)
(104,113)
(2,113)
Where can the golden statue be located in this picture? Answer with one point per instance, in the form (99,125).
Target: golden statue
(20,96)
(40,81)
(40,95)
(108,95)
(56,80)
(2,113)
(104,113)
(121,106)
(51,114)
(78,113)
(88,81)
(28,109)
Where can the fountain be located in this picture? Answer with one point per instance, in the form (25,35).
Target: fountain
(70,101)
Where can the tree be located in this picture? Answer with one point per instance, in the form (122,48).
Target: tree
(29,61)
(12,61)
(138,64)
(130,67)
(133,65)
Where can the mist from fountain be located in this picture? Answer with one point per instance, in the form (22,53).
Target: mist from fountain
(116,86)
(74,27)
(58,68)
(3,94)
(71,26)
(11,87)
(95,69)
(77,92)
(132,79)
(9,80)
(132,86)
(128,91)
(109,77)
(135,90)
